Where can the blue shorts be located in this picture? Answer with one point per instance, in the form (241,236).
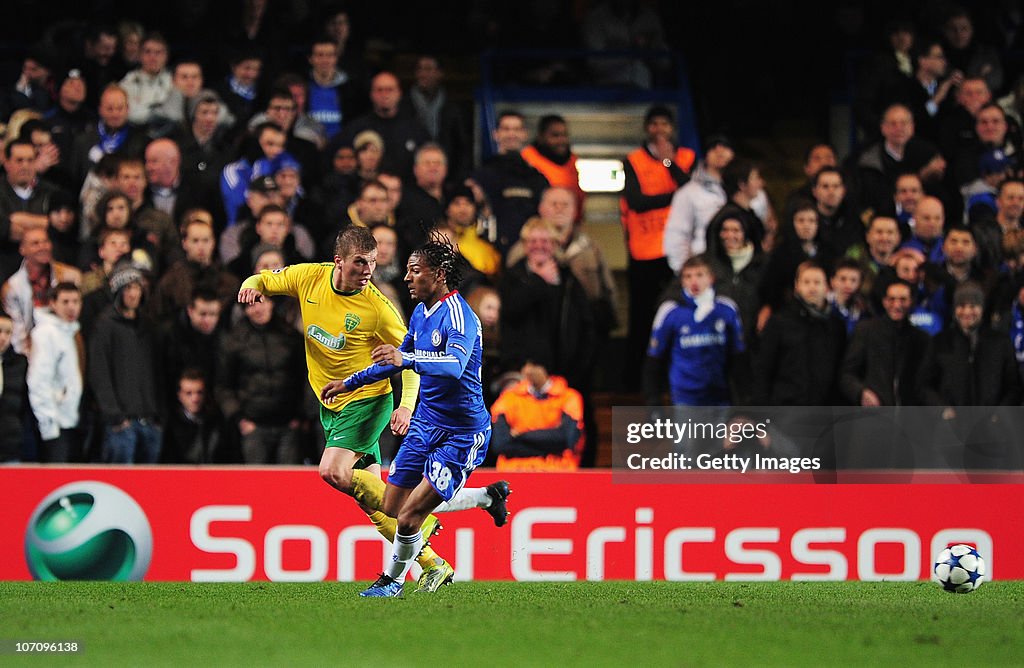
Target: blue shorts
(443,458)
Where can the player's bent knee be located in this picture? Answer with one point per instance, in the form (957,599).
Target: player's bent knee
(408,528)
(409,522)
(338,478)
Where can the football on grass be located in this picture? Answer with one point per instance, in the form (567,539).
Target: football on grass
(959,569)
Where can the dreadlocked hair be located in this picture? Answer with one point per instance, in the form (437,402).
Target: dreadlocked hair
(442,255)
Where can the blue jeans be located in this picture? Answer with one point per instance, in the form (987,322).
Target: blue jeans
(139,442)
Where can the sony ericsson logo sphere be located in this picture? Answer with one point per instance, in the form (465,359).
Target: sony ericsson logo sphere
(88,530)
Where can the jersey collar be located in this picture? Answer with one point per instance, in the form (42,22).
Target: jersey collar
(430,311)
(330,282)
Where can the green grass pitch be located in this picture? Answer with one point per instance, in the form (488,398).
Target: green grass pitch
(515,624)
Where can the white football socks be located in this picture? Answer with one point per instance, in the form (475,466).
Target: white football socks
(473,497)
(403,553)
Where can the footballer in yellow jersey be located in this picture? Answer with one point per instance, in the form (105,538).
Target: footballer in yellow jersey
(344,318)
(341,327)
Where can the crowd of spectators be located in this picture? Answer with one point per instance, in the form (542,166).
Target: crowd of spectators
(891,278)
(141,184)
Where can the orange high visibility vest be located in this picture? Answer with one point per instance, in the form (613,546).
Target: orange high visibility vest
(558,176)
(645,231)
(525,412)
(562,176)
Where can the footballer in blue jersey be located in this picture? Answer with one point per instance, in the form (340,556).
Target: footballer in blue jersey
(451,427)
(445,347)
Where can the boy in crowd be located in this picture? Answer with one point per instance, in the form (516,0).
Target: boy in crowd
(698,337)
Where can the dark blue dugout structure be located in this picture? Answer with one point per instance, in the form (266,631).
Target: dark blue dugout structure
(525,76)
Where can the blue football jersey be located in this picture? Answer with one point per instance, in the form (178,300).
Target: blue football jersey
(444,346)
(699,347)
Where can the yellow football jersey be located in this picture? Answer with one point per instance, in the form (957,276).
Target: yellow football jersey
(340,328)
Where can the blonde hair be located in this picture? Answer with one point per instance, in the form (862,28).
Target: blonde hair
(536,223)
(18,119)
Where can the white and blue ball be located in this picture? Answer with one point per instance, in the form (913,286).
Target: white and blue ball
(959,569)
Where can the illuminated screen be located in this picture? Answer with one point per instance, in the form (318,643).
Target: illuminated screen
(600,176)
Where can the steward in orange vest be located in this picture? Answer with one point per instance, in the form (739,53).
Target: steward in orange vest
(650,184)
(551,155)
(538,423)
(653,174)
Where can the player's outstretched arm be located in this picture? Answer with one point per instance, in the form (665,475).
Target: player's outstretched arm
(452,364)
(251,291)
(287,281)
(249,296)
(387,361)
(387,354)
(332,390)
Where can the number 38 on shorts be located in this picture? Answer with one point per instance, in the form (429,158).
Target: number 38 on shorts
(439,475)
(444,458)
